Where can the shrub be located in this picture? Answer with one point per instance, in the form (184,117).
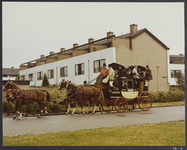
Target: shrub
(173,95)
(8,107)
(45,81)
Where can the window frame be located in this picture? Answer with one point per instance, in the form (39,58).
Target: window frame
(31,79)
(100,65)
(41,75)
(81,69)
(62,72)
(50,74)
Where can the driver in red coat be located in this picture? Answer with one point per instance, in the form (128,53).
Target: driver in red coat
(103,74)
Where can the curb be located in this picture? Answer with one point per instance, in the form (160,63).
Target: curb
(90,112)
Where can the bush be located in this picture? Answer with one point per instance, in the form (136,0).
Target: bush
(45,81)
(54,108)
(173,95)
(8,107)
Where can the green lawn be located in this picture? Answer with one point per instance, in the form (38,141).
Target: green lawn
(169,133)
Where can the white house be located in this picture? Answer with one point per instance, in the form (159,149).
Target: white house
(78,69)
(176,65)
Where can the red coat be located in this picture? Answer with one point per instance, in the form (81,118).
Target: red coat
(105,72)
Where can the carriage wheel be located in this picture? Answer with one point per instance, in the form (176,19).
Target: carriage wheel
(131,106)
(107,108)
(145,101)
(121,104)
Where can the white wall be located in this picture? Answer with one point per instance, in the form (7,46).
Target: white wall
(108,54)
(7,78)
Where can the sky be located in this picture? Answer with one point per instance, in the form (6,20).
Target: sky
(31,29)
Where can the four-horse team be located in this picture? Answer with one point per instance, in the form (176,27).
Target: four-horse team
(117,87)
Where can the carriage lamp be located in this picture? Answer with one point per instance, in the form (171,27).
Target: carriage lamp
(157,66)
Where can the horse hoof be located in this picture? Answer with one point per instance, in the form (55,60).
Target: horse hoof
(14,118)
(66,113)
(39,116)
(18,118)
(72,114)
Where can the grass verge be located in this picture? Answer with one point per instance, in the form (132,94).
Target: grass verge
(157,134)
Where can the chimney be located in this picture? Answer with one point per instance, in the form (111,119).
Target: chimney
(109,34)
(62,50)
(51,53)
(133,29)
(41,56)
(90,40)
(75,45)
(12,68)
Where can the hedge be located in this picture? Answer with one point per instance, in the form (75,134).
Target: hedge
(173,95)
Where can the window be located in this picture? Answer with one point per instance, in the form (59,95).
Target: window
(79,69)
(98,64)
(23,77)
(50,74)
(174,73)
(39,75)
(31,77)
(64,71)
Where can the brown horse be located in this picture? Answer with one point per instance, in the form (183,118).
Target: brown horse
(20,97)
(81,93)
(11,85)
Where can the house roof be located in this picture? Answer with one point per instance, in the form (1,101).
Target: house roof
(142,31)
(176,56)
(10,71)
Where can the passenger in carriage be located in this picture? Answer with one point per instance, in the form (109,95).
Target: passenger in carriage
(148,75)
(103,74)
(140,72)
(135,72)
(128,73)
(110,75)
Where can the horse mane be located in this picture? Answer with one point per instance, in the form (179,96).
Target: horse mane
(74,84)
(14,84)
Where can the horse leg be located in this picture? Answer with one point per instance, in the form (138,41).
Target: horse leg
(83,112)
(88,108)
(78,108)
(94,108)
(44,108)
(15,116)
(68,108)
(20,111)
(75,105)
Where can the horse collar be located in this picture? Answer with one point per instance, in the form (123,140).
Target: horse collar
(16,93)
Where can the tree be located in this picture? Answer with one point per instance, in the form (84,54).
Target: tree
(18,77)
(45,81)
(180,79)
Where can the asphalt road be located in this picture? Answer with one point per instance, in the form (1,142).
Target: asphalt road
(57,123)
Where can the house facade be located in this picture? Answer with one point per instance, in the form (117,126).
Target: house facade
(83,63)
(176,65)
(10,73)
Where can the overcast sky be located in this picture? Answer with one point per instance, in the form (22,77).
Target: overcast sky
(31,29)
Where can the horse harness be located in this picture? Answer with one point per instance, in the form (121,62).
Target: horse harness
(24,95)
(77,92)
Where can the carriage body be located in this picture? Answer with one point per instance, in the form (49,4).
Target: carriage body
(130,93)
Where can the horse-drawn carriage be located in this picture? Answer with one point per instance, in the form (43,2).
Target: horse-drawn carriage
(126,96)
(129,92)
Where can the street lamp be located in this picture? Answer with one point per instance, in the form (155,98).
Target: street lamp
(157,66)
